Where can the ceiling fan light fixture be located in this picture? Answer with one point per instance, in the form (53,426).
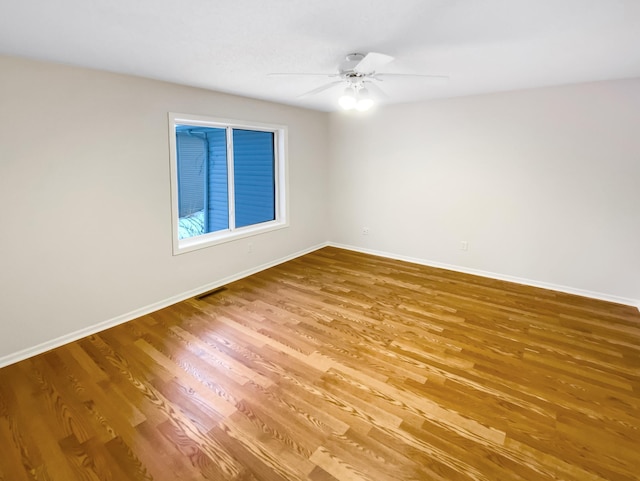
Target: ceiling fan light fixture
(348,100)
(364,101)
(364,105)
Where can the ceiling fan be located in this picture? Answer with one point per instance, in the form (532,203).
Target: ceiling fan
(357,72)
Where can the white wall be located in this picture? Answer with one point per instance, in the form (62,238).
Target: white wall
(544,185)
(84,189)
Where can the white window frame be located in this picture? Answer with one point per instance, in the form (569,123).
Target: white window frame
(181,246)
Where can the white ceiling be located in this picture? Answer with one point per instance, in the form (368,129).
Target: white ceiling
(232,45)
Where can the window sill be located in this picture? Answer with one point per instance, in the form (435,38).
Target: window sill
(182,246)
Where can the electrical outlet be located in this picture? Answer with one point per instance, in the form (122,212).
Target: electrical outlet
(365,231)
(464,245)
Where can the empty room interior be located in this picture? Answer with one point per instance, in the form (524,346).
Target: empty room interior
(322,240)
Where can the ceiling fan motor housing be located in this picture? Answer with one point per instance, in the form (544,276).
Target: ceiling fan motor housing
(350,63)
(347,71)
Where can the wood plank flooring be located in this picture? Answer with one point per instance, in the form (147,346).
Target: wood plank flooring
(338,366)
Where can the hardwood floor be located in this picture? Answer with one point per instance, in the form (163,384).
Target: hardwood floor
(338,366)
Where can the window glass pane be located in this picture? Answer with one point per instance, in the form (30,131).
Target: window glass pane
(201,154)
(191,158)
(254,176)
(218,211)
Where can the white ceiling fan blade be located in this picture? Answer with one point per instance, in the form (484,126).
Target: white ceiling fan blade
(377,90)
(293,74)
(435,79)
(322,88)
(372,62)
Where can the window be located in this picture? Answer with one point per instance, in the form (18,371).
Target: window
(227,180)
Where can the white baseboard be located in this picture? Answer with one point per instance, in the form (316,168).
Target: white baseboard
(101,326)
(492,275)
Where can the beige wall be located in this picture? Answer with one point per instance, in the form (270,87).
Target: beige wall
(543,184)
(84,189)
